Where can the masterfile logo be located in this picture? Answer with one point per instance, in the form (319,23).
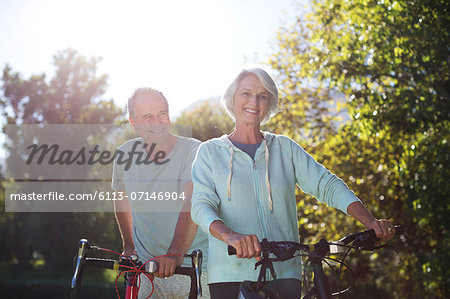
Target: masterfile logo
(68,168)
(52,155)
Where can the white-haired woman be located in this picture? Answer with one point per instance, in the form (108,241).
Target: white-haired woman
(244,190)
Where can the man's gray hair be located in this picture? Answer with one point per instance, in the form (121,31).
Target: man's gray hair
(266,81)
(141,91)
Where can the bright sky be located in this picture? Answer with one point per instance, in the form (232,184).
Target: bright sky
(188,49)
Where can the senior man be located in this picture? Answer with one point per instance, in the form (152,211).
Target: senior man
(154,216)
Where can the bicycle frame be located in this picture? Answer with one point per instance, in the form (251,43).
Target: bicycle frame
(131,285)
(321,284)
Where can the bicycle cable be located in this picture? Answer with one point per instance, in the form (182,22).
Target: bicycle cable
(324,259)
(133,269)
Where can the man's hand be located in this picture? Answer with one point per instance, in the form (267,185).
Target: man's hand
(131,253)
(183,236)
(167,265)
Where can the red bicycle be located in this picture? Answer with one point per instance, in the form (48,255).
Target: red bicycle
(131,268)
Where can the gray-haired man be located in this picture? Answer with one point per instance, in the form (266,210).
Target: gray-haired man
(154,218)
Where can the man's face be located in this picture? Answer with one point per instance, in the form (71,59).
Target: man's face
(151,117)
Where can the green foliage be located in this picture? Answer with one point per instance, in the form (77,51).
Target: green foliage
(71,96)
(389,60)
(208,120)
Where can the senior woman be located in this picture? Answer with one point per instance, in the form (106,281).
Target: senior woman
(244,190)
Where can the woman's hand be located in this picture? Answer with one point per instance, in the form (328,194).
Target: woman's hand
(247,246)
(384,229)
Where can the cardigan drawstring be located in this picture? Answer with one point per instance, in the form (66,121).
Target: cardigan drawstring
(267,175)
(230,165)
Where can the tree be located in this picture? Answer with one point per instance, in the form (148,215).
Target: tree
(72,96)
(208,119)
(389,60)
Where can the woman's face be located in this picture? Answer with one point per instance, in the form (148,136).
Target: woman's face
(251,101)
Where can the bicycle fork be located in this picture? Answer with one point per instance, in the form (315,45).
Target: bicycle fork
(321,284)
(131,288)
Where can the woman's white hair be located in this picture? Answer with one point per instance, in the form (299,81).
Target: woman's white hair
(266,81)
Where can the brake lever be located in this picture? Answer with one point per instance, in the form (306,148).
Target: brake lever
(83,247)
(282,250)
(367,241)
(197,258)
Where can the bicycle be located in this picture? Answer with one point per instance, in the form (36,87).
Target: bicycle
(131,269)
(316,253)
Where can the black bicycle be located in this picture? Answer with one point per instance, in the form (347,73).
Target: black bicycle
(131,268)
(316,254)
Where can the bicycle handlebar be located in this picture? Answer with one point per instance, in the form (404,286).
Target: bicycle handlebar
(127,264)
(266,246)
(285,250)
(369,233)
(363,241)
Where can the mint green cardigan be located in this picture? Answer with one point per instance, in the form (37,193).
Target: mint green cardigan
(257,197)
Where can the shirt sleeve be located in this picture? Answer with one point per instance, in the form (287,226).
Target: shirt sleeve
(314,179)
(117,177)
(205,202)
(186,170)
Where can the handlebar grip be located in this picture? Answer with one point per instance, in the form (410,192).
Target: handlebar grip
(184,271)
(100,263)
(398,229)
(231,250)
